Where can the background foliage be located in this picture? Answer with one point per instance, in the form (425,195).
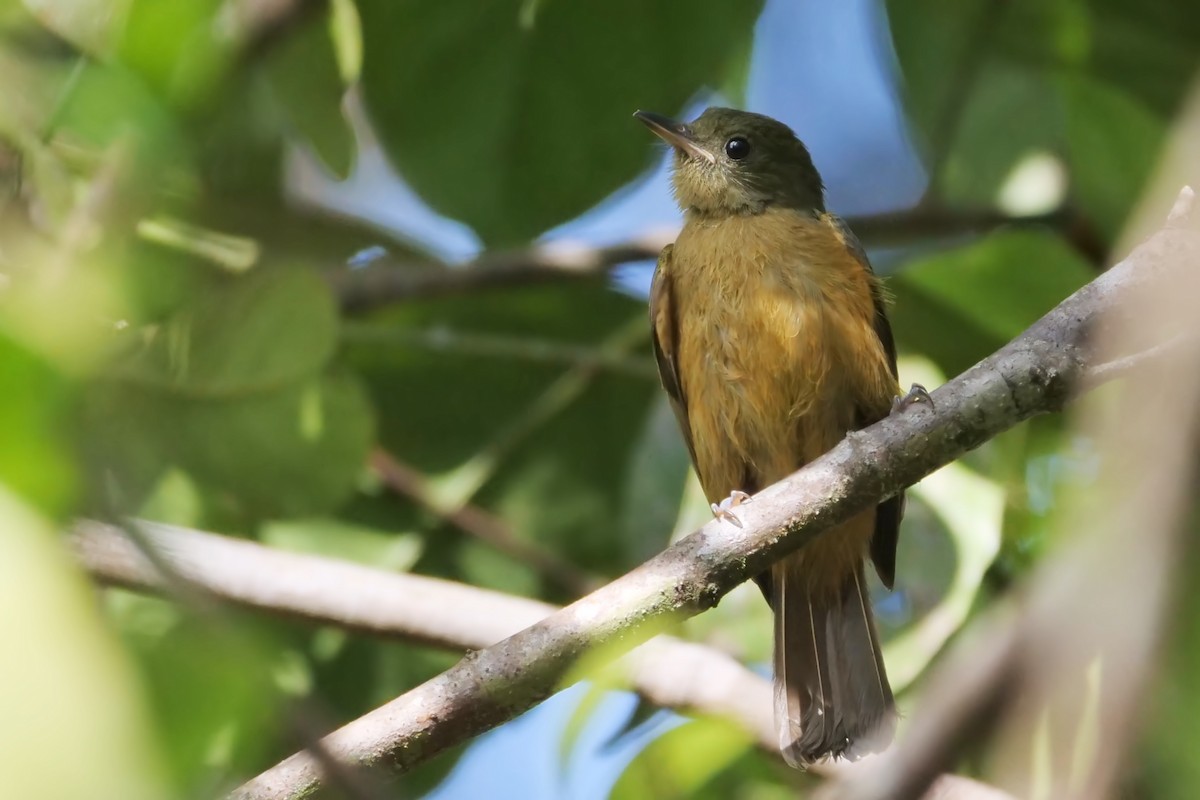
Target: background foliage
(173,344)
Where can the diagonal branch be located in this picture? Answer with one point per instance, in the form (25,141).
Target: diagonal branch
(1032,375)
(667,672)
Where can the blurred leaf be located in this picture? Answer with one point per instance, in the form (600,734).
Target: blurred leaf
(550,442)
(987,83)
(344,540)
(960,305)
(971,508)
(33,404)
(480,564)
(107,104)
(91,25)
(1114,143)
(514,117)
(258,332)
(175,500)
(64,685)
(346,29)
(287,453)
(290,452)
(703,759)
(654,481)
(1165,766)
(304,73)
(1013,112)
(210,686)
(182,48)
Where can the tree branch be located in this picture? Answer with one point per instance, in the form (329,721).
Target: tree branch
(386,282)
(1034,374)
(667,672)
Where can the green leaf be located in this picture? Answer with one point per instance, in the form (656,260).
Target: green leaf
(988,83)
(337,538)
(287,453)
(654,481)
(91,25)
(242,335)
(698,760)
(33,406)
(971,509)
(543,443)
(960,305)
(305,76)
(295,451)
(515,116)
(64,683)
(209,686)
(183,48)
(1114,143)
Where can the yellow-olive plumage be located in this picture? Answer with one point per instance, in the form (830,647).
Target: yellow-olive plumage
(772,343)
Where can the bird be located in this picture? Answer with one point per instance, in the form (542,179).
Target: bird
(770,331)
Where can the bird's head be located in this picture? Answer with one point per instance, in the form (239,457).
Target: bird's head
(736,162)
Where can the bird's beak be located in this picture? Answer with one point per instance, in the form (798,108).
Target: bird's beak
(677,134)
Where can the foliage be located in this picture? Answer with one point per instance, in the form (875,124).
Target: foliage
(170,346)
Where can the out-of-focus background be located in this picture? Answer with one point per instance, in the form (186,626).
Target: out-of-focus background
(366,279)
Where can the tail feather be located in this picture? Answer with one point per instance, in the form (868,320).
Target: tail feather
(831,691)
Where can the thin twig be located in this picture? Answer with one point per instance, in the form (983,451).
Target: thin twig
(1031,375)
(405,480)
(387,282)
(444,339)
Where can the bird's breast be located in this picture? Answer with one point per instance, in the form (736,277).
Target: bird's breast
(764,306)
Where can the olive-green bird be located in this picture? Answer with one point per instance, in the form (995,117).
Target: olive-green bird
(772,343)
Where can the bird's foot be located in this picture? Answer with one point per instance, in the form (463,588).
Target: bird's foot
(724,509)
(917,394)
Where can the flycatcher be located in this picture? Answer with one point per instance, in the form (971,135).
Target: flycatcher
(772,341)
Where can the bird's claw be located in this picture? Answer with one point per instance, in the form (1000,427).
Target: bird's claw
(724,509)
(917,394)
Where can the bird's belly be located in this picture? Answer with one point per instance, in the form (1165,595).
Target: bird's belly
(765,396)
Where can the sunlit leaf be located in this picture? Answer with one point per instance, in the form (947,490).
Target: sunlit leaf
(344,540)
(74,689)
(704,758)
(34,460)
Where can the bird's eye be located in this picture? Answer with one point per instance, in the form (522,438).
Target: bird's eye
(737,148)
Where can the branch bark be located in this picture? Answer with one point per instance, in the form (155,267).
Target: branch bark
(383,283)
(1034,374)
(667,672)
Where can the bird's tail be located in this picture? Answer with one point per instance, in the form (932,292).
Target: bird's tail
(831,692)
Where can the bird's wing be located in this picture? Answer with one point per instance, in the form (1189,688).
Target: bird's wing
(664,334)
(887,516)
